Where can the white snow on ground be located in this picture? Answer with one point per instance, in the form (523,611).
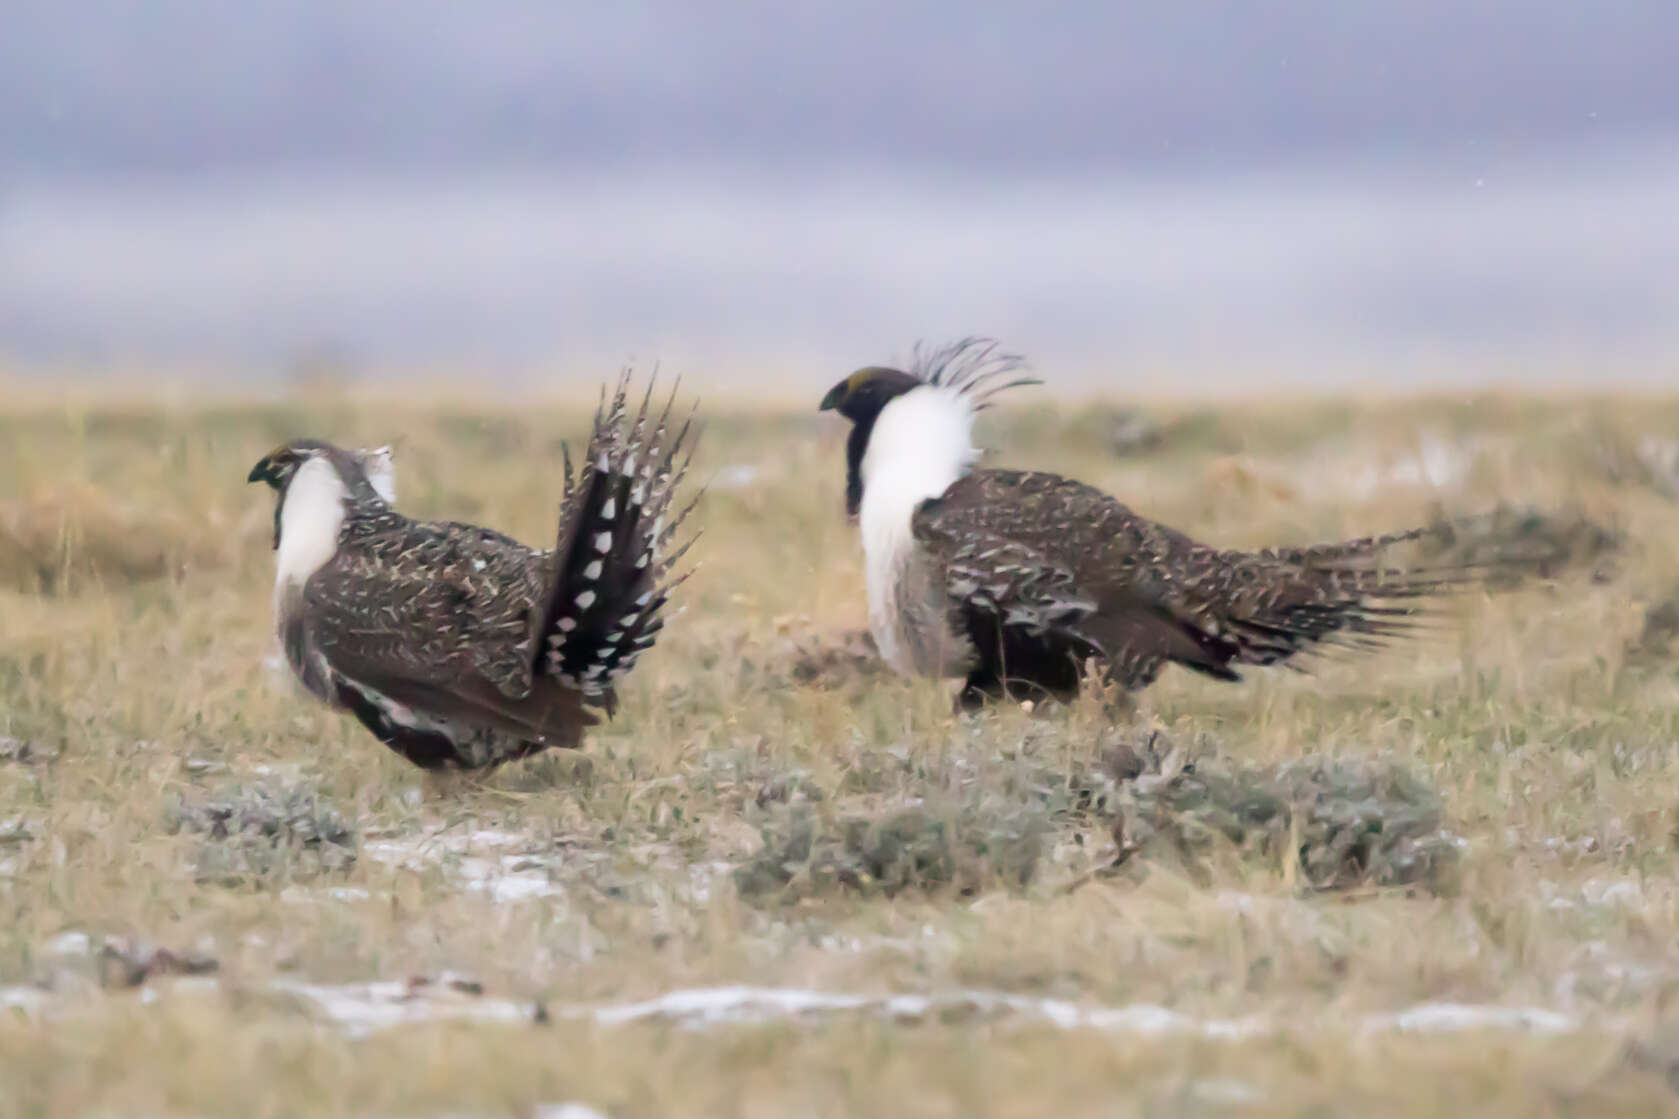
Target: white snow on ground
(571,1110)
(1452,1017)
(366,1008)
(478,859)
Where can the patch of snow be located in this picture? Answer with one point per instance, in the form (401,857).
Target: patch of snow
(366,1008)
(27,999)
(756,1005)
(750,1005)
(521,876)
(1622,892)
(491,837)
(1582,845)
(572,1110)
(361,1009)
(1452,1017)
(1607,893)
(701,877)
(336,893)
(1224,1093)
(508,883)
(738,476)
(72,943)
(1234,900)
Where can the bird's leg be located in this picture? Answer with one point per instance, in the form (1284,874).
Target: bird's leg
(979,691)
(986,685)
(1104,689)
(450,783)
(983,688)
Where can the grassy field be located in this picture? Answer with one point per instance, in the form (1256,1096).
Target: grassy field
(783,882)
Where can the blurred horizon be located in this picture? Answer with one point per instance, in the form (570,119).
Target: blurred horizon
(1308,194)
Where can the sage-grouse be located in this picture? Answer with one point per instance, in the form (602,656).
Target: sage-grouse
(1020,580)
(456,645)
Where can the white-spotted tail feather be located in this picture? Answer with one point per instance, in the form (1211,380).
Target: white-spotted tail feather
(613,554)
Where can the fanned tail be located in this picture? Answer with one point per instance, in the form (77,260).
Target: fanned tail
(612,560)
(1270,606)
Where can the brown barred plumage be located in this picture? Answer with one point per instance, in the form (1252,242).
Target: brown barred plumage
(1025,578)
(458,646)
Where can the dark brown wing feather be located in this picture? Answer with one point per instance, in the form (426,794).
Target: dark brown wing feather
(435,617)
(1154,594)
(436,603)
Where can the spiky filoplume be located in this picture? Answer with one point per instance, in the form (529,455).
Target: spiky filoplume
(458,646)
(1021,580)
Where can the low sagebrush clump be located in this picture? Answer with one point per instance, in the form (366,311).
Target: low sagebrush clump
(1658,641)
(262,833)
(1345,822)
(957,846)
(966,825)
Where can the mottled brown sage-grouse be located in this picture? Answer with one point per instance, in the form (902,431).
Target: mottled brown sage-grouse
(459,647)
(1019,580)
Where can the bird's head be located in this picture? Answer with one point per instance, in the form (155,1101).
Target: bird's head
(861,396)
(360,478)
(279,466)
(375,465)
(943,391)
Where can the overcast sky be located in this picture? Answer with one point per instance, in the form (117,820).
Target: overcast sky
(525,181)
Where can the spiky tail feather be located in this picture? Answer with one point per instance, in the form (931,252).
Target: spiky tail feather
(1283,602)
(612,560)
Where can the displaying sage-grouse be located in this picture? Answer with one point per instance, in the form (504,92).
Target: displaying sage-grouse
(458,646)
(1020,580)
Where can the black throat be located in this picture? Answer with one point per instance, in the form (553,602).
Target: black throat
(855,445)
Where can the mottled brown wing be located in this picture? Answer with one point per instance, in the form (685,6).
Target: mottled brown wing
(437,604)
(988,571)
(1016,548)
(1236,607)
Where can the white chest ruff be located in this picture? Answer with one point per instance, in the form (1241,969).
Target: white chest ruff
(908,614)
(310,519)
(919,446)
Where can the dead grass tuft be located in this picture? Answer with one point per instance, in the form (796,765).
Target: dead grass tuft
(58,540)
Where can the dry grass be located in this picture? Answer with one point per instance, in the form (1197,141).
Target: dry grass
(770,809)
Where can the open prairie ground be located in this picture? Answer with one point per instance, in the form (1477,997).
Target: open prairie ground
(1441,879)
